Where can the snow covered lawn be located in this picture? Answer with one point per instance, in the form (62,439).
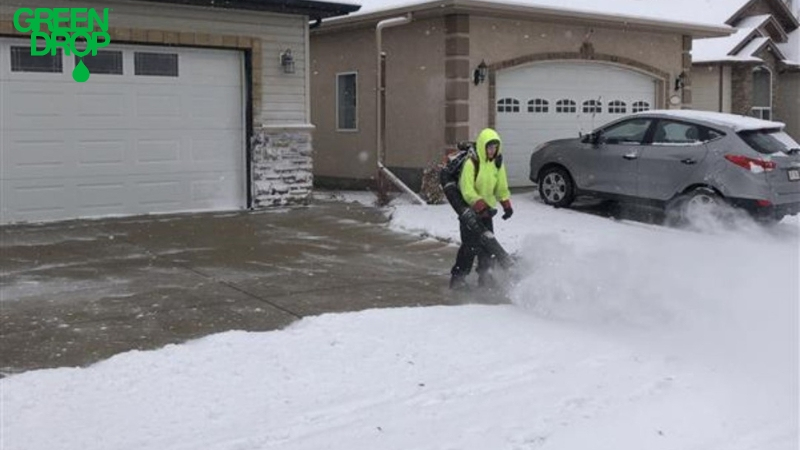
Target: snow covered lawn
(621,335)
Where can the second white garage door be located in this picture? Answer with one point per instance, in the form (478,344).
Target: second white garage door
(545,101)
(153,130)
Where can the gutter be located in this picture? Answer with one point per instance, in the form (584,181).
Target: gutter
(526,12)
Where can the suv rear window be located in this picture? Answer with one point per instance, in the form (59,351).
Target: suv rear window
(769,141)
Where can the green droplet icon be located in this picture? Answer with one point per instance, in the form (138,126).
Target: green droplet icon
(80,73)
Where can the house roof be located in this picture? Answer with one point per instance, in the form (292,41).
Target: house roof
(312,9)
(654,16)
(780,31)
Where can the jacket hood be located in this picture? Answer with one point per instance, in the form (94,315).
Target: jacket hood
(486,135)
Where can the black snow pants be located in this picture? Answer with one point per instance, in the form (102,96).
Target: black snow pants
(470,248)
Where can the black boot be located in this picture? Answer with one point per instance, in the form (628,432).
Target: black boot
(458,283)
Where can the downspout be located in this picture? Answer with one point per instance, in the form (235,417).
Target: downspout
(379,94)
(721,89)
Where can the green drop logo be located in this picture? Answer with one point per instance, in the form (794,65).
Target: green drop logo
(80,73)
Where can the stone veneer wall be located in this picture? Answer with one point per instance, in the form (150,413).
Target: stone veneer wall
(281,166)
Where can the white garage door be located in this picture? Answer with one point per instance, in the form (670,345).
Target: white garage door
(153,130)
(545,101)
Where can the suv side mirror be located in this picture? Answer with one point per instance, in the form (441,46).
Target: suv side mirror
(594,138)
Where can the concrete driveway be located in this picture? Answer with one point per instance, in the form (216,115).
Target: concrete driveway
(74,293)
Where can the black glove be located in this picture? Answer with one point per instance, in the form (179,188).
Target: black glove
(508,211)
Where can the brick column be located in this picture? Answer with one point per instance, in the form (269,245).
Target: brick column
(281,165)
(457,78)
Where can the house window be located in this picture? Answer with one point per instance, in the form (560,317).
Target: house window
(538,105)
(762,93)
(508,105)
(155,64)
(566,106)
(617,107)
(23,61)
(346,102)
(592,106)
(640,106)
(105,62)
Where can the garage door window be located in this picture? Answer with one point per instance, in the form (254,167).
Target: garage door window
(508,105)
(155,64)
(566,106)
(23,61)
(592,107)
(538,105)
(105,62)
(640,106)
(617,107)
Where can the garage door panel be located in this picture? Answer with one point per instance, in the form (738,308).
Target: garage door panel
(33,110)
(577,82)
(34,199)
(122,144)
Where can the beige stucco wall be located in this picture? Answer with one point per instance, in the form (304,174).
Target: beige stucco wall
(414,105)
(789,103)
(282,98)
(706,81)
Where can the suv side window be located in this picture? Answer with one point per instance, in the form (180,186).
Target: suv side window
(668,132)
(628,132)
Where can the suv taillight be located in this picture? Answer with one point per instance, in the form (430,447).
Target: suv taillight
(751,164)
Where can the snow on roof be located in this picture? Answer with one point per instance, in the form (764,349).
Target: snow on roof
(733,121)
(718,49)
(696,12)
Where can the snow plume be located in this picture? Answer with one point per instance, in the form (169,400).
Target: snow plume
(729,300)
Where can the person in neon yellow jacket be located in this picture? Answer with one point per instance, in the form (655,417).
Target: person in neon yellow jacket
(483,184)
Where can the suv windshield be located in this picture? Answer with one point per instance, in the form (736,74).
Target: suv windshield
(769,141)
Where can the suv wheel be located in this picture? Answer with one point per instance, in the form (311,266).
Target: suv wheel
(556,187)
(697,203)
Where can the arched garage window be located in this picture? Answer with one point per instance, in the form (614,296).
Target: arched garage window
(592,106)
(762,93)
(566,106)
(617,107)
(640,106)
(507,105)
(538,105)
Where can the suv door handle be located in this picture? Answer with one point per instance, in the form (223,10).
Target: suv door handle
(688,161)
(630,156)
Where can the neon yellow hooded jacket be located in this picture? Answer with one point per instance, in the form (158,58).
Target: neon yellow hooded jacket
(491,184)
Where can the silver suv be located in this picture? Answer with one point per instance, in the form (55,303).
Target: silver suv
(676,159)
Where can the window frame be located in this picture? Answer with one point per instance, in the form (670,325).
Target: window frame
(760,110)
(339,77)
(508,105)
(538,106)
(57,59)
(614,106)
(592,106)
(94,71)
(566,106)
(136,64)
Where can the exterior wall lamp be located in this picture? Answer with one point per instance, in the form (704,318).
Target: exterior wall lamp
(479,76)
(287,61)
(680,81)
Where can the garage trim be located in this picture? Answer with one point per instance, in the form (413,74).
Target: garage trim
(586,55)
